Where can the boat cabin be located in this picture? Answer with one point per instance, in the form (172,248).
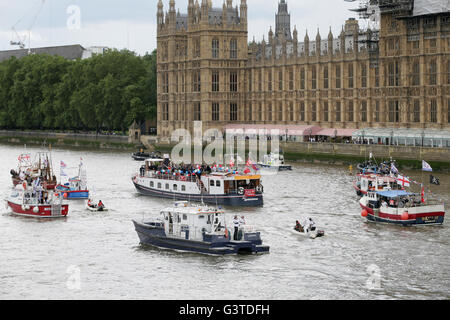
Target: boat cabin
(393,199)
(188,222)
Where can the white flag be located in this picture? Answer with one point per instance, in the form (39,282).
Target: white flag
(426,166)
(403,181)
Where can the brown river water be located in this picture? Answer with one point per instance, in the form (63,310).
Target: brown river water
(97,255)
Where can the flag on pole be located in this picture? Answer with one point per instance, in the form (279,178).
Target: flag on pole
(63,165)
(426,166)
(434,180)
(403,181)
(394,169)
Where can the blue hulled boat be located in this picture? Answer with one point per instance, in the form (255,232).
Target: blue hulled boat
(198,229)
(76,187)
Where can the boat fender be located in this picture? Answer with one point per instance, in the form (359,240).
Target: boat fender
(364,213)
(226,233)
(27,207)
(35,209)
(24,185)
(23,208)
(260,188)
(241,190)
(405,215)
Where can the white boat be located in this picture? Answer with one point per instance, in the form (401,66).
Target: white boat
(220,187)
(274,161)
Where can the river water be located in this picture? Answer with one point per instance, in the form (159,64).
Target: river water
(98,256)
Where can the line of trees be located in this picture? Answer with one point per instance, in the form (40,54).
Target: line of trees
(105,92)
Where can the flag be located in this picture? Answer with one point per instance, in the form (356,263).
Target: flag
(63,165)
(434,180)
(394,169)
(255,167)
(426,166)
(403,181)
(423,195)
(62,173)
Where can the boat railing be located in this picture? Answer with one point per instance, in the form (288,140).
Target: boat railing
(171,177)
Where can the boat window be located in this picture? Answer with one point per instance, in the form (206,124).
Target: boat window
(218,183)
(159,185)
(175,187)
(184,216)
(183,188)
(211,183)
(178,218)
(201,217)
(167,186)
(152,184)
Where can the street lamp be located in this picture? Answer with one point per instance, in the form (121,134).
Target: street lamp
(423,137)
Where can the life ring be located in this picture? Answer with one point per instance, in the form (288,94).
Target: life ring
(241,190)
(260,188)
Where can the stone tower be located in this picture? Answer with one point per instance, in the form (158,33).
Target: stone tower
(283,22)
(201,65)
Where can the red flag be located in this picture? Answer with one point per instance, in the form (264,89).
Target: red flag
(249,162)
(247,171)
(423,194)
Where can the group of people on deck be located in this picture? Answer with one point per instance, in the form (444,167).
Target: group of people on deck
(187,170)
(308,225)
(237,223)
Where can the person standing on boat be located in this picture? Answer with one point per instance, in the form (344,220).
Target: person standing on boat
(312,225)
(241,221)
(236,227)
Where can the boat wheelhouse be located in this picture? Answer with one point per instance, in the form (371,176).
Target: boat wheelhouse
(365,183)
(401,207)
(224,188)
(198,228)
(36,202)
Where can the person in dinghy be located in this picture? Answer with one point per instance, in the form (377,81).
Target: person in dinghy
(308,227)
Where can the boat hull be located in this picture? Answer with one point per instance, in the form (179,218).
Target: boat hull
(226,200)
(425,218)
(279,168)
(156,237)
(43,211)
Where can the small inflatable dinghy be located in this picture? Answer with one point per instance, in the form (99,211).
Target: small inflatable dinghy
(96,209)
(311,234)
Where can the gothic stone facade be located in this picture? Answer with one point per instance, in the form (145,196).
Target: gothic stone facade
(397,76)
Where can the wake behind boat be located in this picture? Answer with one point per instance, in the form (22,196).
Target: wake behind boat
(198,228)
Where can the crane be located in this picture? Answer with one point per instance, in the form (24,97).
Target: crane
(20,40)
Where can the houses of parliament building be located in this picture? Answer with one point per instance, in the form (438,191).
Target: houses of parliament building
(393,76)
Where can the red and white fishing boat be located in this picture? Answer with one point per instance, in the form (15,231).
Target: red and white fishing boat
(36,202)
(401,207)
(30,171)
